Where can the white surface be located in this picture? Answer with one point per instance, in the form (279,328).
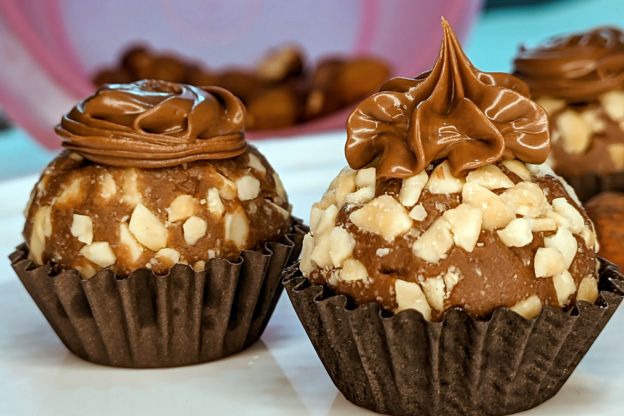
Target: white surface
(279,375)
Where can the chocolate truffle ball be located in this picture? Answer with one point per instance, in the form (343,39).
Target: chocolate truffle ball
(141,187)
(579,80)
(506,235)
(446,203)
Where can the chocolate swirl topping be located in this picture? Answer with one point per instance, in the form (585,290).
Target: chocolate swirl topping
(453,112)
(578,68)
(155,124)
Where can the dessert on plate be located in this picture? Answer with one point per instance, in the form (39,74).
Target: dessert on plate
(448,271)
(157,237)
(579,80)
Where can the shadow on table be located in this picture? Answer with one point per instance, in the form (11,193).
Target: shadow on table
(33,355)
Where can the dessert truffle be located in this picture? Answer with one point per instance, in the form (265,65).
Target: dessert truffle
(158,236)
(579,80)
(447,270)
(152,202)
(444,204)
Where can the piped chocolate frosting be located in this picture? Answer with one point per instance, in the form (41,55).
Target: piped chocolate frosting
(155,124)
(454,112)
(578,67)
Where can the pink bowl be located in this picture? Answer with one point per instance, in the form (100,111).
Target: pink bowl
(50,48)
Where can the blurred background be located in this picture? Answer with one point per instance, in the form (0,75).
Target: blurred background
(298,66)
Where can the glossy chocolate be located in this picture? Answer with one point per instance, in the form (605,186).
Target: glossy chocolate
(454,112)
(155,124)
(578,68)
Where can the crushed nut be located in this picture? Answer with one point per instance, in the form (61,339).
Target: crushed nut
(341,244)
(411,188)
(194,229)
(435,242)
(352,271)
(147,228)
(108,188)
(564,287)
(255,163)
(548,262)
(565,209)
(434,292)
(41,229)
(442,180)
(575,133)
(320,252)
(490,177)
(383,216)
(82,228)
(528,308)
(543,224)
(613,103)
(306,266)
(343,185)
(517,233)
(167,257)
(125,237)
(236,228)
(326,221)
(248,187)
(519,168)
(588,290)
(182,207)
(496,214)
(214,203)
(361,196)
(99,253)
(365,178)
(418,213)
(526,199)
(410,296)
(564,242)
(465,224)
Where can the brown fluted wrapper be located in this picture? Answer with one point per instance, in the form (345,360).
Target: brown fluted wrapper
(147,320)
(587,186)
(404,365)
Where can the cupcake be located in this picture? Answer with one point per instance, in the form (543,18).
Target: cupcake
(448,271)
(579,80)
(158,237)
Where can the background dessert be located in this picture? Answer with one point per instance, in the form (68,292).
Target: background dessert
(280,91)
(446,215)
(158,195)
(579,80)
(607,212)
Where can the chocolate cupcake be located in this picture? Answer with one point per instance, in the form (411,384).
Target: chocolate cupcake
(157,238)
(448,271)
(579,80)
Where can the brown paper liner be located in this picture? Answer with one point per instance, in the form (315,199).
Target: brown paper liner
(147,320)
(587,186)
(404,365)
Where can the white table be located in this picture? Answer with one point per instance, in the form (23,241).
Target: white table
(279,375)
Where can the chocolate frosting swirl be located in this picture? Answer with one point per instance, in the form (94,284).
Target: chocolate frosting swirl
(453,112)
(578,68)
(155,124)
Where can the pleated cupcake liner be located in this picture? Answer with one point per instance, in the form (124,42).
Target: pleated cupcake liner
(147,320)
(404,365)
(587,186)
